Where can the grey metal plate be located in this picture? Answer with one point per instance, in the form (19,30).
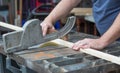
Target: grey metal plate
(31,35)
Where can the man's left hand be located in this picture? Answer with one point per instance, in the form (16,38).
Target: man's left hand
(89,43)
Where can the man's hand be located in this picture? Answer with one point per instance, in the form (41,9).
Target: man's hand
(46,26)
(89,43)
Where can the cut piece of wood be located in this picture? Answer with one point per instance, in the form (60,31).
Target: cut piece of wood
(6,25)
(82,11)
(96,53)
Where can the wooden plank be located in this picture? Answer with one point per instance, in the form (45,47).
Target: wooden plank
(96,53)
(10,26)
(82,11)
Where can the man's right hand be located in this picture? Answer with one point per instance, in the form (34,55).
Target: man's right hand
(46,26)
(61,10)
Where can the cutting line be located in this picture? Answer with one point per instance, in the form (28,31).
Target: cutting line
(93,52)
(10,26)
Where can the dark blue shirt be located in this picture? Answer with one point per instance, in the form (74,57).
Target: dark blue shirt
(105,12)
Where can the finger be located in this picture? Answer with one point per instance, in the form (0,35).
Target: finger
(81,45)
(77,48)
(85,46)
(50,30)
(76,45)
(53,28)
(44,30)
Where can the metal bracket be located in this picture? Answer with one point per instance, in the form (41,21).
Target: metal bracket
(10,67)
(20,69)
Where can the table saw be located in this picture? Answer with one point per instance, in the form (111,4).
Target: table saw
(59,59)
(23,55)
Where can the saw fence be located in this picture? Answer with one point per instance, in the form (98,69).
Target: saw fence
(59,59)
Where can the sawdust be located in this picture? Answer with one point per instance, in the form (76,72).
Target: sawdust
(48,44)
(43,55)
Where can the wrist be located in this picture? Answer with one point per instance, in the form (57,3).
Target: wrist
(104,42)
(50,20)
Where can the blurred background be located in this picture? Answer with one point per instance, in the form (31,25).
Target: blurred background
(17,12)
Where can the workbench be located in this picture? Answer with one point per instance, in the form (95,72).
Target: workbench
(60,59)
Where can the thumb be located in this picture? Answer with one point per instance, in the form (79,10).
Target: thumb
(51,30)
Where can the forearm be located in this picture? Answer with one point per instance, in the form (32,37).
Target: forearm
(113,32)
(62,9)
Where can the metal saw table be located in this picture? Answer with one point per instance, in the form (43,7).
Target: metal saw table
(59,59)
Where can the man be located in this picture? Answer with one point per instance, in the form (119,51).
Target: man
(107,18)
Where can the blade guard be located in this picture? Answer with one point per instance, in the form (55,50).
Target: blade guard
(31,35)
